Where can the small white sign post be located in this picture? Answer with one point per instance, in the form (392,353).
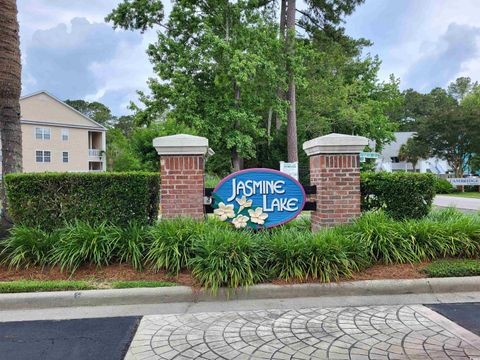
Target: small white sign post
(290,168)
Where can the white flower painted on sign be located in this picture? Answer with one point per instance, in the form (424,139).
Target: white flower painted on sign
(240,221)
(224,211)
(244,203)
(257,216)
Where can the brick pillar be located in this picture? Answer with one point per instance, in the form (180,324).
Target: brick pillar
(182,175)
(335,170)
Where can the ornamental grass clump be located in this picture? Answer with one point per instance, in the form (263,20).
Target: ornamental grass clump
(81,243)
(26,246)
(326,255)
(287,254)
(230,258)
(386,239)
(129,243)
(171,244)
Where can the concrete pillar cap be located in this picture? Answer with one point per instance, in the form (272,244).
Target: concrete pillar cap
(335,144)
(182,144)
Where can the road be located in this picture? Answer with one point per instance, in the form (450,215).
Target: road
(369,327)
(458,202)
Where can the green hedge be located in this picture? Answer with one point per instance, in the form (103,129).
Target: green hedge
(443,186)
(48,200)
(401,195)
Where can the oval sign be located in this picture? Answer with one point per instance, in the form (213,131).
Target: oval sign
(258,198)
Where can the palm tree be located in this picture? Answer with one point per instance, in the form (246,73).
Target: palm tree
(10,88)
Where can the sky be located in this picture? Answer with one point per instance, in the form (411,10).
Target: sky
(68,49)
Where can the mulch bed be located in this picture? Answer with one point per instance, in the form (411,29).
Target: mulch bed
(114,272)
(125,272)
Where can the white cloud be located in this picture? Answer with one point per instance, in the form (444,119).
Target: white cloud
(410,34)
(68,49)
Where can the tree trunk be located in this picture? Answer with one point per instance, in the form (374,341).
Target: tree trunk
(280,92)
(291,95)
(269,124)
(10,88)
(237,161)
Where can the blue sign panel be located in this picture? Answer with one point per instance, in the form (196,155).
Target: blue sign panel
(258,198)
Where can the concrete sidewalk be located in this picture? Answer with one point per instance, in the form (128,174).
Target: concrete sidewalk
(457,202)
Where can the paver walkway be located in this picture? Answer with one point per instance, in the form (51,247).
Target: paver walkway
(374,332)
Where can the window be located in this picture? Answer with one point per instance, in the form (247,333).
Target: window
(65,134)
(65,156)
(43,156)
(42,133)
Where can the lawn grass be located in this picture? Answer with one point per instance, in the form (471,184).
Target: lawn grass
(140,284)
(453,268)
(470,195)
(22,286)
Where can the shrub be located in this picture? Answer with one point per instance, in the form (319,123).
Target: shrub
(443,186)
(49,200)
(82,243)
(444,234)
(227,258)
(26,247)
(129,243)
(387,240)
(450,268)
(400,195)
(171,245)
(326,255)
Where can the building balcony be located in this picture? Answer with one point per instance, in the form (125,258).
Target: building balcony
(95,153)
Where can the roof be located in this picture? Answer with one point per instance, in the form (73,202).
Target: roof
(392,149)
(65,105)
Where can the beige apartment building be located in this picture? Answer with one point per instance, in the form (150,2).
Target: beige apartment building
(56,137)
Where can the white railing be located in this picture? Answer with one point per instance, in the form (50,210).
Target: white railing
(95,152)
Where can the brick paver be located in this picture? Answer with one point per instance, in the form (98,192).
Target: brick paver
(375,332)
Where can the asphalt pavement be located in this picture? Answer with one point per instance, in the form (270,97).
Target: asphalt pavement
(466,315)
(457,202)
(80,339)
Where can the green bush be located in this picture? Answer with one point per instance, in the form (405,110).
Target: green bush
(171,245)
(227,258)
(443,186)
(26,247)
(129,243)
(49,200)
(387,240)
(447,233)
(326,255)
(451,268)
(81,243)
(401,195)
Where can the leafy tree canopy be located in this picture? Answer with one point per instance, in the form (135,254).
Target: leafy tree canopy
(94,110)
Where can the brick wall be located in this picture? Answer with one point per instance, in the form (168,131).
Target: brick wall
(337,177)
(182,186)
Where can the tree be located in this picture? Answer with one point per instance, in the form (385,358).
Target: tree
(120,156)
(453,135)
(10,89)
(217,67)
(217,62)
(94,110)
(461,87)
(412,151)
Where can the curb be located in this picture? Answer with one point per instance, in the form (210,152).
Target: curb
(178,294)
